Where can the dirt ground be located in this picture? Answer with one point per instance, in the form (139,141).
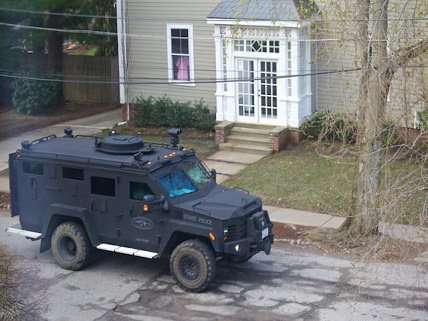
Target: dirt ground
(4,201)
(12,123)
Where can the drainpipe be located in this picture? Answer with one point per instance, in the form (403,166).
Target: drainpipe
(122,55)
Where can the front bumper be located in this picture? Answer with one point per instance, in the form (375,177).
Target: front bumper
(259,237)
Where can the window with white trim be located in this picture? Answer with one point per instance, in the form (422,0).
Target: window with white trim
(180,53)
(290,68)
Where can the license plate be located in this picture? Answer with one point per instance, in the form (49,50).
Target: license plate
(265,233)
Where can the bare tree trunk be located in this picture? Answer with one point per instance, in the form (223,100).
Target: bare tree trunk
(55,51)
(376,83)
(55,44)
(363,16)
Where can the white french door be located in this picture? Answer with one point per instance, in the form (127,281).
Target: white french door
(257,94)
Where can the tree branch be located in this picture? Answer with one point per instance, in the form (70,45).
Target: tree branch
(403,55)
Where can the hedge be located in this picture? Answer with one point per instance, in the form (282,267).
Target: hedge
(32,97)
(164,112)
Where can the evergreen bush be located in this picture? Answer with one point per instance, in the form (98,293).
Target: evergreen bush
(32,97)
(164,112)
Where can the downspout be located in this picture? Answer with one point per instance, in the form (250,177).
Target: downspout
(122,54)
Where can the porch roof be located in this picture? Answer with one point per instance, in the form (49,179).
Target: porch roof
(264,10)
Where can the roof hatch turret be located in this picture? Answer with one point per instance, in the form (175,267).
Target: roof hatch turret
(119,144)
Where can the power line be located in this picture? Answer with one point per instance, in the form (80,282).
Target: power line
(163,82)
(166,81)
(61,14)
(92,16)
(133,35)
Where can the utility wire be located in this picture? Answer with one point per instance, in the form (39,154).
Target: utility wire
(166,81)
(163,82)
(133,35)
(68,14)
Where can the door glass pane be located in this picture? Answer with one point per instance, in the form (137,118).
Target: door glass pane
(268,90)
(103,186)
(137,191)
(246,89)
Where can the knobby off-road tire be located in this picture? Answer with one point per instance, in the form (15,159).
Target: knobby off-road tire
(193,265)
(70,246)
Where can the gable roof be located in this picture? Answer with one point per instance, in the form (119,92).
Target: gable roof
(272,10)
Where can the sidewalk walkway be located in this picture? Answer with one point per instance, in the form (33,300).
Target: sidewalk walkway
(84,126)
(304,218)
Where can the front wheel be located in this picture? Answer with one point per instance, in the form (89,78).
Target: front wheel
(193,265)
(70,246)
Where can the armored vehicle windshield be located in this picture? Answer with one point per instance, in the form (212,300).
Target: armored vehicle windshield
(187,177)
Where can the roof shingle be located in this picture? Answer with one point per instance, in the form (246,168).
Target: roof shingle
(274,10)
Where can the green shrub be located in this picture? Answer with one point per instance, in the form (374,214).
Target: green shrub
(331,127)
(33,97)
(164,112)
(390,134)
(423,120)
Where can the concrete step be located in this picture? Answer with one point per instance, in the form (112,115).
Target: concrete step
(256,132)
(250,140)
(246,148)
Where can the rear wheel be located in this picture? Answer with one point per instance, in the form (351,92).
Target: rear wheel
(70,246)
(193,265)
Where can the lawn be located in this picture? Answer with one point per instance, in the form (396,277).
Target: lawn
(203,143)
(300,178)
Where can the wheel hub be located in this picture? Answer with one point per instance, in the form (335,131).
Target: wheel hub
(68,248)
(189,267)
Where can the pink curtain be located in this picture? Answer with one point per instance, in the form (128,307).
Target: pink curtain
(183,68)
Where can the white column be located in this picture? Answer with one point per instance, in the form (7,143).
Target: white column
(282,82)
(219,73)
(121,48)
(230,96)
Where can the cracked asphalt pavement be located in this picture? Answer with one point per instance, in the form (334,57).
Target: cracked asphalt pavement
(293,283)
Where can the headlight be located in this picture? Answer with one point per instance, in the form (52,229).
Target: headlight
(225,233)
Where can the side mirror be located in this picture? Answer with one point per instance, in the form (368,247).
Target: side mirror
(150,199)
(214,174)
(157,200)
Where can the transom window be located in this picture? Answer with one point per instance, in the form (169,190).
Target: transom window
(271,46)
(180,53)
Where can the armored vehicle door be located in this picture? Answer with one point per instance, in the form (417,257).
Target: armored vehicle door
(105,206)
(140,226)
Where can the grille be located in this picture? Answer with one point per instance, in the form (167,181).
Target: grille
(237,231)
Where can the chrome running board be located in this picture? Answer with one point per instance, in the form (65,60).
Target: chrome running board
(127,250)
(16,229)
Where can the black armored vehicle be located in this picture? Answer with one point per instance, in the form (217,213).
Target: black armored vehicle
(121,194)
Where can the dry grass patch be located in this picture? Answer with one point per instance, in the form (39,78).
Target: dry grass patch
(302,178)
(9,305)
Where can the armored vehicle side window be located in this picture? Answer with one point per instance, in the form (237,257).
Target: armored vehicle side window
(103,186)
(137,191)
(33,168)
(73,173)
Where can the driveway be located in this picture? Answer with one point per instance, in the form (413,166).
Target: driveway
(293,283)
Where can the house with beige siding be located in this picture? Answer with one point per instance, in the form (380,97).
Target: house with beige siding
(253,61)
